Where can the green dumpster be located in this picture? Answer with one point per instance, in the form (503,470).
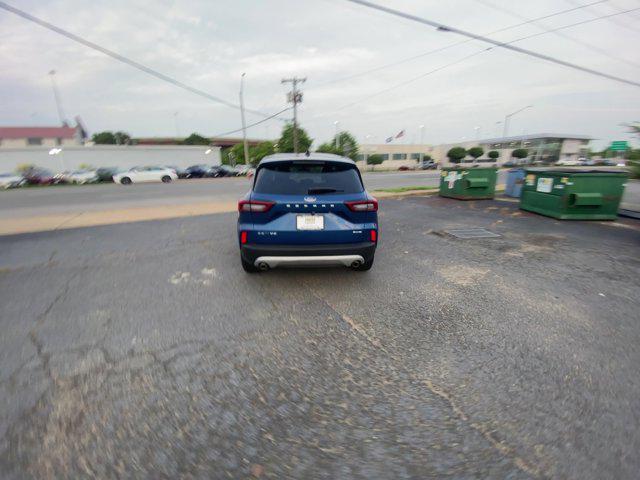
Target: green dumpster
(468,183)
(573,194)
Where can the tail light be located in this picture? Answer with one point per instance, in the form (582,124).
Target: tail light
(373,236)
(243,237)
(363,206)
(254,206)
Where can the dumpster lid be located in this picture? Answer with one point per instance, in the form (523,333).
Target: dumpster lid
(574,170)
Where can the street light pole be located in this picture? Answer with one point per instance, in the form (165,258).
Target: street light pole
(295,98)
(244,124)
(421,144)
(56,95)
(508,117)
(336,139)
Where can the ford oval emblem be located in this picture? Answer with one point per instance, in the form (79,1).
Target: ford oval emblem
(310,199)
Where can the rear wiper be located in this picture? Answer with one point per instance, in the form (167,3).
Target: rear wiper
(323,190)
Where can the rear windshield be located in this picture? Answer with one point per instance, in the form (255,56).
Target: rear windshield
(307,177)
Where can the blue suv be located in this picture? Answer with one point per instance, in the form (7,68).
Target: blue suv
(306,210)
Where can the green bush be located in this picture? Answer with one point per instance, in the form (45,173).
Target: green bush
(476,152)
(456,154)
(374,160)
(493,154)
(520,153)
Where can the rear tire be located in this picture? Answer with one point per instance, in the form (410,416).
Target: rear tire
(125,181)
(166,179)
(365,266)
(248,267)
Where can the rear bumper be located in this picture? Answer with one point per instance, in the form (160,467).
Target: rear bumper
(316,254)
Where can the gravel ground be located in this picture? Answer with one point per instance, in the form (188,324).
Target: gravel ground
(144,351)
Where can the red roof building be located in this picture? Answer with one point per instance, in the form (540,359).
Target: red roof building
(16,137)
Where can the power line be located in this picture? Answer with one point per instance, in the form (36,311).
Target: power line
(451,45)
(253,124)
(447,28)
(411,80)
(588,45)
(613,20)
(123,59)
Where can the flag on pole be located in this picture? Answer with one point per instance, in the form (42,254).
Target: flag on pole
(389,140)
(400,134)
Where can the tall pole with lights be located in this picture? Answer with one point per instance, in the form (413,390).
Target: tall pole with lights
(294,97)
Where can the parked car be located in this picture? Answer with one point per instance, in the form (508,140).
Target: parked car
(222,171)
(145,174)
(241,170)
(181,172)
(82,176)
(404,168)
(307,209)
(106,174)
(198,171)
(11,180)
(39,176)
(428,165)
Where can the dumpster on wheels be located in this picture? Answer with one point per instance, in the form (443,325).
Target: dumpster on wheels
(573,194)
(468,183)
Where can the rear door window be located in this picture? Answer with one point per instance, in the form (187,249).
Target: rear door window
(307,178)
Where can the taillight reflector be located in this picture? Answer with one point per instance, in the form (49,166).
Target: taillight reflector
(254,206)
(243,237)
(374,236)
(363,206)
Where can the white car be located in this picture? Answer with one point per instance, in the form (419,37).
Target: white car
(82,176)
(569,163)
(9,180)
(145,174)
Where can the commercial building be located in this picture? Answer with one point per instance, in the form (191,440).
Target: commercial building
(393,155)
(541,147)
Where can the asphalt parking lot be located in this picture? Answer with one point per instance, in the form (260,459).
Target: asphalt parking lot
(142,350)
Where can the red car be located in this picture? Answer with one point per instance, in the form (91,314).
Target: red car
(38,176)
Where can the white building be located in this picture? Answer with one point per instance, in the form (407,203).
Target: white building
(541,147)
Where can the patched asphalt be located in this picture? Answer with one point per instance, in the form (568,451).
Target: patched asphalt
(143,350)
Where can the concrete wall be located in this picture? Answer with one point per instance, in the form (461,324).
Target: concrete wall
(70,158)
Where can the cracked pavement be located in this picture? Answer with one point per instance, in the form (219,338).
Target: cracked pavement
(144,351)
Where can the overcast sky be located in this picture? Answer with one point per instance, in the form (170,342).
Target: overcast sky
(208,44)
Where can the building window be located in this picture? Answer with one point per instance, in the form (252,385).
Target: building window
(59,141)
(399,156)
(359,157)
(415,156)
(385,156)
(34,141)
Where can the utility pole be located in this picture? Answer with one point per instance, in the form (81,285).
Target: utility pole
(56,95)
(244,124)
(505,131)
(294,97)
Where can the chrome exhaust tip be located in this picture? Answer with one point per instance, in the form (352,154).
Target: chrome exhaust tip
(263,266)
(356,264)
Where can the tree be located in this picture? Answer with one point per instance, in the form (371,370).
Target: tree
(456,154)
(122,138)
(236,154)
(494,154)
(345,145)
(374,160)
(285,143)
(104,138)
(195,139)
(260,151)
(328,148)
(520,153)
(476,152)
